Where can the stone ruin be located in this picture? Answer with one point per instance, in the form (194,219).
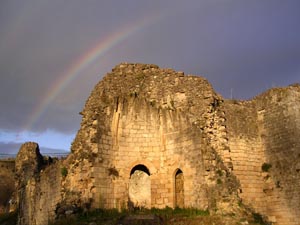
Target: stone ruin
(152,137)
(7,185)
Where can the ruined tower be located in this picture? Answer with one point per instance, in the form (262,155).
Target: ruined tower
(152,137)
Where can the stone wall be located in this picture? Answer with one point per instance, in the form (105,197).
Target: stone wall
(263,137)
(146,136)
(158,119)
(279,112)
(246,151)
(7,185)
(7,166)
(38,186)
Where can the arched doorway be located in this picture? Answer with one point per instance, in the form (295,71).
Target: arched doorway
(140,187)
(179,189)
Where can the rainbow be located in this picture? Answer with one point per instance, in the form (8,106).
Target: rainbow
(76,68)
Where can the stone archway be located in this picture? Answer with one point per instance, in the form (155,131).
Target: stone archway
(140,187)
(179,189)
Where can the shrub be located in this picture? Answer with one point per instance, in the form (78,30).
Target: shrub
(64,171)
(266,167)
(258,218)
(220,173)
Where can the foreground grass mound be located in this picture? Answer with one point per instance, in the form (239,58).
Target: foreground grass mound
(157,217)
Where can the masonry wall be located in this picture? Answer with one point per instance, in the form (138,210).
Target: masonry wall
(246,151)
(158,119)
(38,186)
(139,134)
(279,111)
(42,197)
(7,184)
(7,166)
(266,131)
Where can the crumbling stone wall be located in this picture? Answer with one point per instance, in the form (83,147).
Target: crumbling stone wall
(7,166)
(159,121)
(279,112)
(246,151)
(7,185)
(157,118)
(38,186)
(263,137)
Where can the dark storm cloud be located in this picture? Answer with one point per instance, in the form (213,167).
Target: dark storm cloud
(241,47)
(244,46)
(40,40)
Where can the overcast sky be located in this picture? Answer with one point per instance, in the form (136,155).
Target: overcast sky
(53,52)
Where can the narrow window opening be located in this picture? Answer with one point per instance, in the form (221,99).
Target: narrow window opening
(179,189)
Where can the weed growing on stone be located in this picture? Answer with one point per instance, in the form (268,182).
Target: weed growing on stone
(266,167)
(220,173)
(219,181)
(64,171)
(259,219)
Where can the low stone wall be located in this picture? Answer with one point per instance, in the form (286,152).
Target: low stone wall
(7,185)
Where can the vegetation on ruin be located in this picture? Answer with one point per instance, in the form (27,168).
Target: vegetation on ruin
(166,216)
(187,212)
(266,167)
(258,218)
(64,171)
(113,216)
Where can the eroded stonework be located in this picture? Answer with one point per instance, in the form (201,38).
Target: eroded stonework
(7,185)
(183,144)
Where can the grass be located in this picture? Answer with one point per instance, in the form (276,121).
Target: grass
(107,216)
(112,216)
(168,215)
(186,212)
